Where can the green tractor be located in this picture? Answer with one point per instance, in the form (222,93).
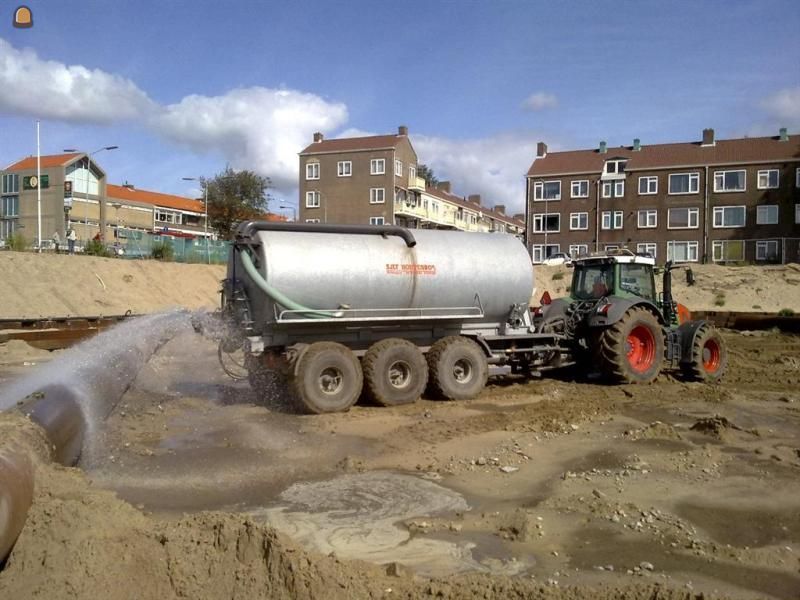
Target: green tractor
(615,320)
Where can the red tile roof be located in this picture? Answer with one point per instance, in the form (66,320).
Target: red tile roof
(459,201)
(119,192)
(50,160)
(683,154)
(374,142)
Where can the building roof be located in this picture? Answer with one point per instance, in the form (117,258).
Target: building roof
(459,201)
(374,142)
(48,161)
(156,198)
(682,154)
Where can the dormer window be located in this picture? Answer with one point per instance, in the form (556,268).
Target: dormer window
(615,167)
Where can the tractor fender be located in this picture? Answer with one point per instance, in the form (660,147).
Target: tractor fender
(557,309)
(620,306)
(686,333)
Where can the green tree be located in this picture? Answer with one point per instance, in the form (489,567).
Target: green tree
(426,173)
(234,196)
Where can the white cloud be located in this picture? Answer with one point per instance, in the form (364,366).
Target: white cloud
(540,101)
(52,90)
(254,128)
(493,167)
(784,106)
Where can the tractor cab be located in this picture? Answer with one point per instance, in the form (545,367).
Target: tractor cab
(623,275)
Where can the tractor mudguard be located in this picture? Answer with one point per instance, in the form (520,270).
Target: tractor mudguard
(686,333)
(557,309)
(618,307)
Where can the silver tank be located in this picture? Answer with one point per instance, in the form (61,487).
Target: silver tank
(445,269)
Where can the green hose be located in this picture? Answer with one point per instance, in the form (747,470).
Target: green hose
(278,296)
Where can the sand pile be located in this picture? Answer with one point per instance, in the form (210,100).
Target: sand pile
(17,351)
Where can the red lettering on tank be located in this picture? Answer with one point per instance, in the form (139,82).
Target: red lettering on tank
(410,269)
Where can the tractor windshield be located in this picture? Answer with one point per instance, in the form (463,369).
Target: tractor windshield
(592,280)
(638,280)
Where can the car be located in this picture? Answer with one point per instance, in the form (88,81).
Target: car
(557,259)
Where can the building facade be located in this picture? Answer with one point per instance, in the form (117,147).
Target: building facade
(373,180)
(709,201)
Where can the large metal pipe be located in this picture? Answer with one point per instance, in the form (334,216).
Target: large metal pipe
(64,402)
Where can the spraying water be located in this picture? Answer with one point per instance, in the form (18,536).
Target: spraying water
(100,370)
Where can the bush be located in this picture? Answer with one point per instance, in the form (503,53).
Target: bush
(163,251)
(17,242)
(96,248)
(786,312)
(719,299)
(558,276)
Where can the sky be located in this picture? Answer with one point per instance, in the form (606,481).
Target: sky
(185,88)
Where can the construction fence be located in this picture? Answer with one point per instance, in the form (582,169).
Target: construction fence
(141,244)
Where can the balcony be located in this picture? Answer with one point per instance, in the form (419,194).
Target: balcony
(440,218)
(416,183)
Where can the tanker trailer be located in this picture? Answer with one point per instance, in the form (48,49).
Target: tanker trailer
(339,308)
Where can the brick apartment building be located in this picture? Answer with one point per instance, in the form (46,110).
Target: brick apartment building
(712,200)
(373,180)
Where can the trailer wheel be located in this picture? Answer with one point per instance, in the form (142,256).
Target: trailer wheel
(457,367)
(632,349)
(395,372)
(327,378)
(709,358)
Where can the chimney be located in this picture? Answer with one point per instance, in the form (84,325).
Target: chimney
(443,186)
(708,137)
(603,148)
(501,208)
(402,130)
(637,144)
(318,137)
(476,198)
(783,135)
(519,217)
(541,150)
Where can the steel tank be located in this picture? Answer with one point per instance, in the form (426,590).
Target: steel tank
(444,269)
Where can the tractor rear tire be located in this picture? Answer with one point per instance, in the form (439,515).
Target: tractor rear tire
(328,378)
(632,349)
(395,372)
(709,356)
(457,368)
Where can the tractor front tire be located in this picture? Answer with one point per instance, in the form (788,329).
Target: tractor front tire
(632,349)
(327,378)
(395,372)
(457,368)
(709,356)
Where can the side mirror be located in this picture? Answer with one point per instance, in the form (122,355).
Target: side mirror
(689,277)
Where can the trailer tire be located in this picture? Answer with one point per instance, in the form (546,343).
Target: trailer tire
(395,372)
(632,349)
(327,378)
(709,356)
(457,368)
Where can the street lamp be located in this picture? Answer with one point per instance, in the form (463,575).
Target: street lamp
(294,210)
(88,172)
(205,215)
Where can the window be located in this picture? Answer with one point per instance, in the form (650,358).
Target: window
(540,251)
(377,166)
(398,168)
(727,250)
(614,167)
(10,184)
(767,250)
(637,279)
(684,183)
(576,250)
(580,189)
(611,247)
(647,219)
(613,189)
(377,195)
(344,168)
(9,206)
(168,216)
(550,222)
(547,190)
(648,186)
(797,177)
(682,251)
(768,179)
(578,220)
(729,181)
(797,213)
(647,249)
(376,220)
(7,229)
(312,170)
(611,220)
(412,174)
(312,220)
(683,218)
(767,214)
(312,199)
(729,216)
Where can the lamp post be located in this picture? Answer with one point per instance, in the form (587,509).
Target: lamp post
(294,210)
(88,173)
(205,214)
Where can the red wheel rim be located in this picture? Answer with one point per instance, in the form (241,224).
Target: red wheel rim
(711,356)
(641,348)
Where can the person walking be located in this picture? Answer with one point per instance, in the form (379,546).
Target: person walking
(71,238)
(56,241)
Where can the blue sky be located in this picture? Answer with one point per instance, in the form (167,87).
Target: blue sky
(185,87)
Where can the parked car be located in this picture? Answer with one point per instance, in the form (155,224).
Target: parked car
(557,259)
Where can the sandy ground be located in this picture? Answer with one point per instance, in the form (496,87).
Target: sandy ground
(552,488)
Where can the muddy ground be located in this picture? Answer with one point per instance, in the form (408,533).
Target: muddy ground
(551,488)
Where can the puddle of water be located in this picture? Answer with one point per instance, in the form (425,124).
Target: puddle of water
(359,516)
